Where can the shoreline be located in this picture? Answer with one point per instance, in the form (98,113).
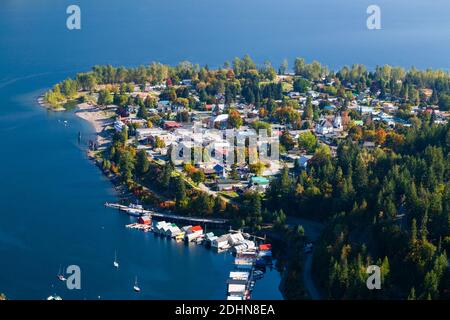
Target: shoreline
(99,120)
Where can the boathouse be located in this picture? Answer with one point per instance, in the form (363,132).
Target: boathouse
(144,220)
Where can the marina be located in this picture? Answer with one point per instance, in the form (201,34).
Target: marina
(250,259)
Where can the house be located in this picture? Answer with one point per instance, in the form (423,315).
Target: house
(193,233)
(324,127)
(239,275)
(303,160)
(210,237)
(260,182)
(246,245)
(220,243)
(235,239)
(119,125)
(337,122)
(172,231)
(159,227)
(369,145)
(144,220)
(227,184)
(265,247)
(219,122)
(171,125)
(236,286)
(220,171)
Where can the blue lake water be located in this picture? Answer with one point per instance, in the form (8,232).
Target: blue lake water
(51,196)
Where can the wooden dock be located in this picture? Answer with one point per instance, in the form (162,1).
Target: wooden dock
(153,214)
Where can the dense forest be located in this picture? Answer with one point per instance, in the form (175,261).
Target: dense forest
(389,207)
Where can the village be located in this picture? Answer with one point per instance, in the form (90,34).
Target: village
(207,127)
(263,152)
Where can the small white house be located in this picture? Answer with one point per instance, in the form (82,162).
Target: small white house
(236,239)
(220,243)
(193,233)
(118,125)
(337,122)
(173,231)
(236,286)
(324,127)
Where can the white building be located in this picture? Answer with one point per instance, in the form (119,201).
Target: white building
(324,127)
(119,125)
(337,122)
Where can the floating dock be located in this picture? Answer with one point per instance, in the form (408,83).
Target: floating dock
(134,211)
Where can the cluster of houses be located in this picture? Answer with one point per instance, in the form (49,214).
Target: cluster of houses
(232,241)
(196,129)
(248,266)
(186,233)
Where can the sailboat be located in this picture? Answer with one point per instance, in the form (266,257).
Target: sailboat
(136,288)
(116,263)
(60,275)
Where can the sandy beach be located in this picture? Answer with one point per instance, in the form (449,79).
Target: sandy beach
(99,119)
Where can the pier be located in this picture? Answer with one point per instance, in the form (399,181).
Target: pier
(139,211)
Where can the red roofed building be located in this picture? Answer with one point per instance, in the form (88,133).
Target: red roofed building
(144,220)
(171,125)
(265,247)
(193,233)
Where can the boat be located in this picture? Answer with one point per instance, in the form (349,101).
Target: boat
(134,210)
(258,274)
(136,287)
(54,297)
(60,275)
(115,263)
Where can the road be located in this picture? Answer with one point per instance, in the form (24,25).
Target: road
(313,230)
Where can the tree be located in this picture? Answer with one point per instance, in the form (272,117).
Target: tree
(87,81)
(412,294)
(166,175)
(142,112)
(283,67)
(444,102)
(287,141)
(159,143)
(104,97)
(299,66)
(126,165)
(69,88)
(180,189)
(257,168)
(234,119)
(142,163)
(301,85)
(307,141)
(198,176)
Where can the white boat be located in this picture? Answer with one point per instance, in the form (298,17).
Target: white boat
(134,210)
(54,297)
(136,287)
(116,263)
(60,275)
